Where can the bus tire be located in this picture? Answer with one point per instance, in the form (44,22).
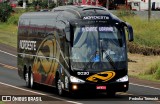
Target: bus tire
(59,87)
(29,79)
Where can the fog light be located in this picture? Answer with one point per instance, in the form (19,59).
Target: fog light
(125,85)
(74,87)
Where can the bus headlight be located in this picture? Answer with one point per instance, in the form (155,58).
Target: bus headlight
(76,80)
(123,79)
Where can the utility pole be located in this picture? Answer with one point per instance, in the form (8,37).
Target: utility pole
(149,10)
(24,4)
(48,4)
(107,4)
(57,3)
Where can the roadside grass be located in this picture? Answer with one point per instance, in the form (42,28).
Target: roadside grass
(144,67)
(8,30)
(145,77)
(153,71)
(151,74)
(146,34)
(8,34)
(1,102)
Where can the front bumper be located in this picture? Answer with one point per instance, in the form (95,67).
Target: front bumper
(91,87)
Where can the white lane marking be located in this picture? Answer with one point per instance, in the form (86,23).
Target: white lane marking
(39,93)
(8,53)
(145,86)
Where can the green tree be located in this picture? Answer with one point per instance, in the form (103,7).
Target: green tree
(52,5)
(5,11)
(43,4)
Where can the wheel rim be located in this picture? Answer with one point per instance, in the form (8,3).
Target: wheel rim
(31,80)
(27,79)
(59,87)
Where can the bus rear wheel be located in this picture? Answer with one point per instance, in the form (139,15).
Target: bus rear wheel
(29,79)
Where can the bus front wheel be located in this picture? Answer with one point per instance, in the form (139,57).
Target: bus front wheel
(59,87)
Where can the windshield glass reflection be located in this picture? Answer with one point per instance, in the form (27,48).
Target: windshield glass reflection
(100,45)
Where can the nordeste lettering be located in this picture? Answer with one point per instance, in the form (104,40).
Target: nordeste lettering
(27,45)
(96,17)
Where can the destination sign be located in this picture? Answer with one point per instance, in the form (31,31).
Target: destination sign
(94,29)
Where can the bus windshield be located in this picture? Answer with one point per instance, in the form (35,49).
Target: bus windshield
(98,48)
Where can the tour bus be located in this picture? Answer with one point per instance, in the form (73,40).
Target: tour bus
(74,49)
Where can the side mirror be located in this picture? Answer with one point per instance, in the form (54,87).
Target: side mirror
(130,31)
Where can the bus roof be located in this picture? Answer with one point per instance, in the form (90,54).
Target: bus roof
(71,12)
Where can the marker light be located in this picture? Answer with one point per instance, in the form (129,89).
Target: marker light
(125,86)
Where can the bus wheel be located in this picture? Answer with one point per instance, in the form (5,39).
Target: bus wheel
(29,79)
(59,86)
(111,93)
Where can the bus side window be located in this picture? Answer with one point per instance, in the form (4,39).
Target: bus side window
(37,27)
(24,27)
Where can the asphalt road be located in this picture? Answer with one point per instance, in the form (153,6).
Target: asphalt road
(11,84)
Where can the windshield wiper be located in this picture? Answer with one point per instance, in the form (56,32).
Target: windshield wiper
(107,55)
(109,59)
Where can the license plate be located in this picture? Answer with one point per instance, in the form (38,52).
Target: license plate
(101,87)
